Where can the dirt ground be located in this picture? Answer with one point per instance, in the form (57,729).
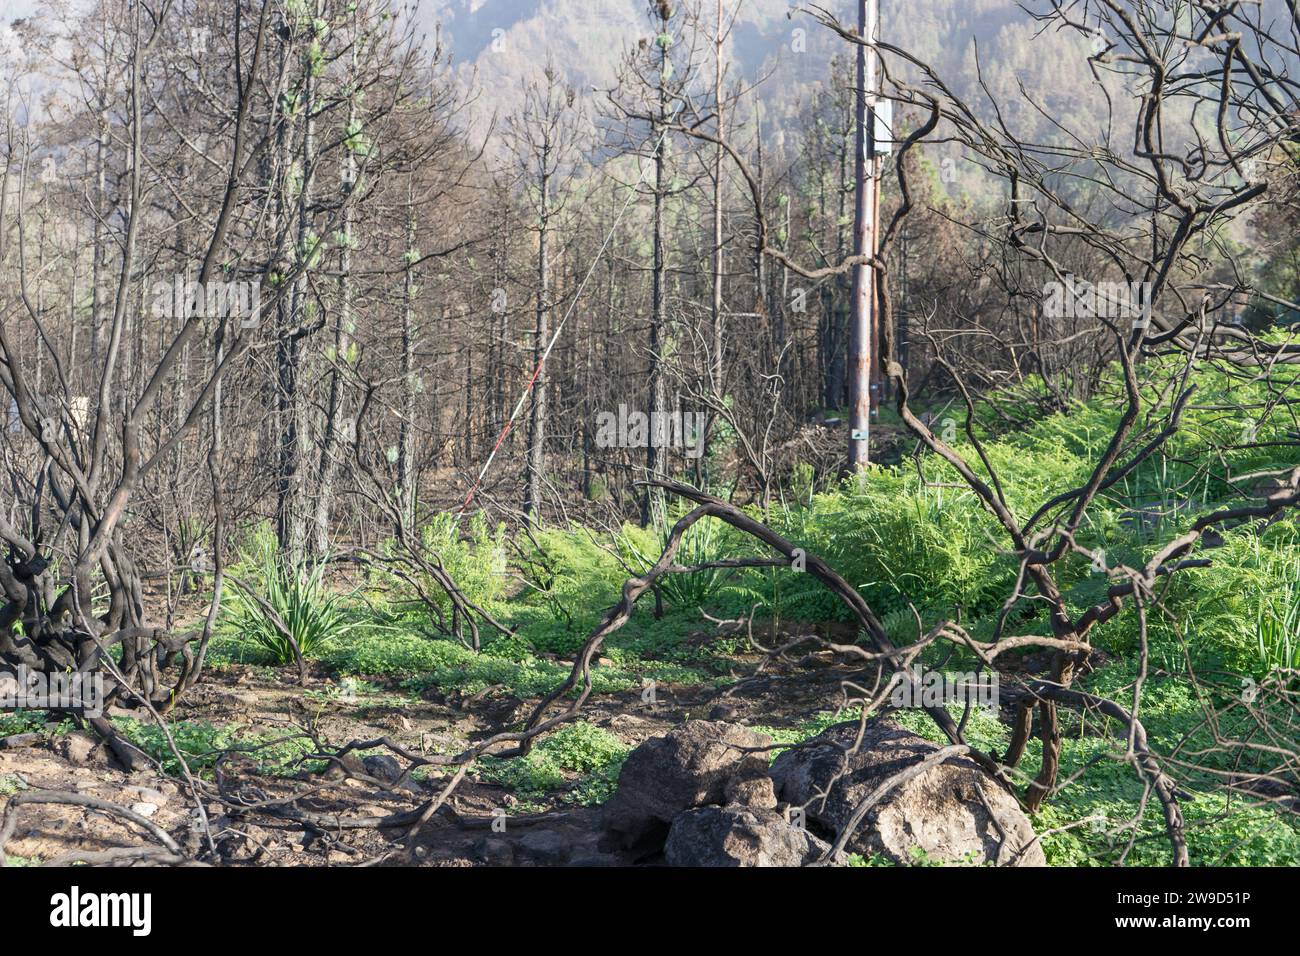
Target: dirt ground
(348,821)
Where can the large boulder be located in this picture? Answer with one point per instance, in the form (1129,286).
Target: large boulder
(954,812)
(690,766)
(739,836)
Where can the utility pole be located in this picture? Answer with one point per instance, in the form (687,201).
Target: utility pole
(718,340)
(862,332)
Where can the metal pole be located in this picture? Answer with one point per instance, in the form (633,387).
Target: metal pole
(864,240)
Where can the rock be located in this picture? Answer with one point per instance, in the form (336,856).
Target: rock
(144,809)
(343,767)
(80,750)
(585,850)
(754,792)
(148,795)
(545,846)
(686,768)
(389,770)
(494,852)
(383,767)
(736,836)
(940,812)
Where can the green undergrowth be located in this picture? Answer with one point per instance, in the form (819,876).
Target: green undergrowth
(201,743)
(579,759)
(912,537)
(14,722)
(915,542)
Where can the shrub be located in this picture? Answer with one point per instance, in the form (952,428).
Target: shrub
(298,596)
(572,581)
(705,541)
(896,541)
(473,555)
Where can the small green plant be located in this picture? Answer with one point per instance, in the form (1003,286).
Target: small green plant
(1277,615)
(28,722)
(581,748)
(803,485)
(201,743)
(295,597)
(702,543)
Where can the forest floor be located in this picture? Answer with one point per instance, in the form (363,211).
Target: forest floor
(918,548)
(546,821)
(545,805)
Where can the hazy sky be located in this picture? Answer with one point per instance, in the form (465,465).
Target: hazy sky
(13,9)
